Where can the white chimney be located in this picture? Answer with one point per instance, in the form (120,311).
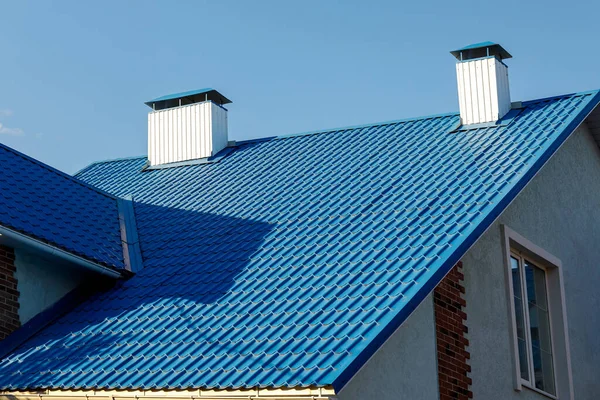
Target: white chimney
(186,126)
(483,90)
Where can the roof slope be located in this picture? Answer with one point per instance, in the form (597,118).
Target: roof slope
(288,262)
(45,204)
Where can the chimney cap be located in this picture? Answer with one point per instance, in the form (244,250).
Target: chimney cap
(479,50)
(189,97)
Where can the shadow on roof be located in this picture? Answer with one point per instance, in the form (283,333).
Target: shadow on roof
(171,297)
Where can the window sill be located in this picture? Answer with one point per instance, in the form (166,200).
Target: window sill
(528,385)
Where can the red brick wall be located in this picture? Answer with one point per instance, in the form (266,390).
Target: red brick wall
(452,354)
(9,295)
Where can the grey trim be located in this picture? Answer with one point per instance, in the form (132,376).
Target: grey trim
(132,254)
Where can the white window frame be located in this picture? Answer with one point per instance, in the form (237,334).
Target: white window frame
(523,258)
(514,243)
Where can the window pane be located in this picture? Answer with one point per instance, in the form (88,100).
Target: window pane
(514,265)
(540,336)
(539,322)
(523,363)
(548,368)
(519,318)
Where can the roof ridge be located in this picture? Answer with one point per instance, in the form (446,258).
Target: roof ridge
(57,171)
(584,93)
(401,120)
(342,128)
(292,135)
(110,160)
(348,127)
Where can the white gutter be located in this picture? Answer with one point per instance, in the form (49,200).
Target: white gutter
(245,394)
(56,252)
(34,396)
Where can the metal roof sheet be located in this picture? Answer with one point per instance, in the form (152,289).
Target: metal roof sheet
(48,205)
(291,260)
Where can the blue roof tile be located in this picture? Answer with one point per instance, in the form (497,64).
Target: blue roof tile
(45,204)
(288,262)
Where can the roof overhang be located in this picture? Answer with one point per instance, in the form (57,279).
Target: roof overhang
(14,239)
(249,394)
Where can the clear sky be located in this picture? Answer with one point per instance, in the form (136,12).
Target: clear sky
(74,74)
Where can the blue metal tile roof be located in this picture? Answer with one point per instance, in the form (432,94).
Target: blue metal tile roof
(57,209)
(290,261)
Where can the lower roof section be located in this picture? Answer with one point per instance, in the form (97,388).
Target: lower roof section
(53,208)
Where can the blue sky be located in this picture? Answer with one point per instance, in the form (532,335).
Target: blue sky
(74,74)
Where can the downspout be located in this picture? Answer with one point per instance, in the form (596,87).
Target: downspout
(56,252)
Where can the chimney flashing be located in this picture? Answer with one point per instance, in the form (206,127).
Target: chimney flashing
(506,120)
(199,161)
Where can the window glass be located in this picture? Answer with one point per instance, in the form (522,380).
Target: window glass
(539,326)
(520,319)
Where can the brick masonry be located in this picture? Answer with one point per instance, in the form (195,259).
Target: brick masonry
(451,330)
(9,295)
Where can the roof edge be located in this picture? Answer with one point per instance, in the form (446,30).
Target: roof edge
(55,251)
(57,171)
(453,258)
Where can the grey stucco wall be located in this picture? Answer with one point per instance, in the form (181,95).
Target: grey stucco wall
(42,282)
(405,367)
(560,212)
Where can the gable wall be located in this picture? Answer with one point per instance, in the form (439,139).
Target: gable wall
(404,367)
(560,212)
(29,284)
(42,282)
